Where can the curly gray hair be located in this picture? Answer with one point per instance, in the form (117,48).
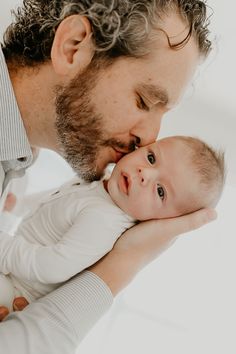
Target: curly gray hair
(120,27)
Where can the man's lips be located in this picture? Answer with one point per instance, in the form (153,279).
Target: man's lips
(124,183)
(119,154)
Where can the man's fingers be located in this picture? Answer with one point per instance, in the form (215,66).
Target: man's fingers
(164,232)
(152,237)
(3,312)
(19,303)
(186,223)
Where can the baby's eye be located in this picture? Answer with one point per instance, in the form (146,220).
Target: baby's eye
(161,192)
(151,158)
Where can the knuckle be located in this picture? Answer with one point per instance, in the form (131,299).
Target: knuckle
(197,220)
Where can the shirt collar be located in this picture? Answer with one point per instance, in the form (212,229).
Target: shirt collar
(15,149)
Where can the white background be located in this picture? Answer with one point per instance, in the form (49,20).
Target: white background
(184,302)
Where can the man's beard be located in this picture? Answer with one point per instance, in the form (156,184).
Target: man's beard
(81,131)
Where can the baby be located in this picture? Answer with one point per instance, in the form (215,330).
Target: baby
(72,227)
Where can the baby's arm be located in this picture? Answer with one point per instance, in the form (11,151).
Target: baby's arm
(88,239)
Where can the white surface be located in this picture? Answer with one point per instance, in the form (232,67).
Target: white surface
(185,301)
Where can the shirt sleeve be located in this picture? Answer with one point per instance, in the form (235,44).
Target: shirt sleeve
(58,322)
(88,239)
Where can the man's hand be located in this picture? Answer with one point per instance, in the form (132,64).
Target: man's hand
(141,244)
(19,304)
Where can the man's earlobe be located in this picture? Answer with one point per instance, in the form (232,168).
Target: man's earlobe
(72,48)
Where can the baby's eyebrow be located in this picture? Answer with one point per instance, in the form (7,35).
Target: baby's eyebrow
(154,93)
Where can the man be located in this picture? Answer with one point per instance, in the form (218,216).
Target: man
(91,80)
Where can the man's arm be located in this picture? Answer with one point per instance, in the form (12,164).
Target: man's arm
(57,323)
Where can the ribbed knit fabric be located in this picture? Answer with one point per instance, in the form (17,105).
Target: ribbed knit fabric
(15,150)
(86,286)
(57,323)
(14,143)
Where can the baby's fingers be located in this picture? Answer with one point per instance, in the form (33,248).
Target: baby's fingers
(19,303)
(10,202)
(3,312)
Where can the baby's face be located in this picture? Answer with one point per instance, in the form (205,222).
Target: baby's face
(155,181)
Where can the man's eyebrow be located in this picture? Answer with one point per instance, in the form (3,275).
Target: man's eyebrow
(153,93)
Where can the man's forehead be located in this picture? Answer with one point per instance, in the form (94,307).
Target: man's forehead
(174,27)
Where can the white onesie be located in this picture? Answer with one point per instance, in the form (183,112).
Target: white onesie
(66,231)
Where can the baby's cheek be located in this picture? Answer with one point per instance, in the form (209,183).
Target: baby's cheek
(143,210)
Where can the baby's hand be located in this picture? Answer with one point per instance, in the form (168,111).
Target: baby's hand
(19,304)
(10,202)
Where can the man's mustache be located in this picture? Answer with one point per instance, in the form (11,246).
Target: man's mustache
(121,146)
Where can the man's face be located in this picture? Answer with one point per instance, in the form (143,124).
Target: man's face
(155,181)
(104,112)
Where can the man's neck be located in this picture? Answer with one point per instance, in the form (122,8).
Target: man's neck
(34,95)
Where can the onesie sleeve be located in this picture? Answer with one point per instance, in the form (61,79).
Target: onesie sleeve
(90,237)
(8,222)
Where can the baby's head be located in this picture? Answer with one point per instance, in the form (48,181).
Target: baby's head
(171,177)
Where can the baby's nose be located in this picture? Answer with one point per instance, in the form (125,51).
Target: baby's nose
(146,175)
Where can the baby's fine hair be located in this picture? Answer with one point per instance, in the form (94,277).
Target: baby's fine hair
(209,164)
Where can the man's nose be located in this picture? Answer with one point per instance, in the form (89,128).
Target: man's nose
(147,130)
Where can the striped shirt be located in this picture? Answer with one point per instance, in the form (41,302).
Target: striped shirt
(15,151)
(57,323)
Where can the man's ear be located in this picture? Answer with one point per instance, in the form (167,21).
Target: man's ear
(72,48)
